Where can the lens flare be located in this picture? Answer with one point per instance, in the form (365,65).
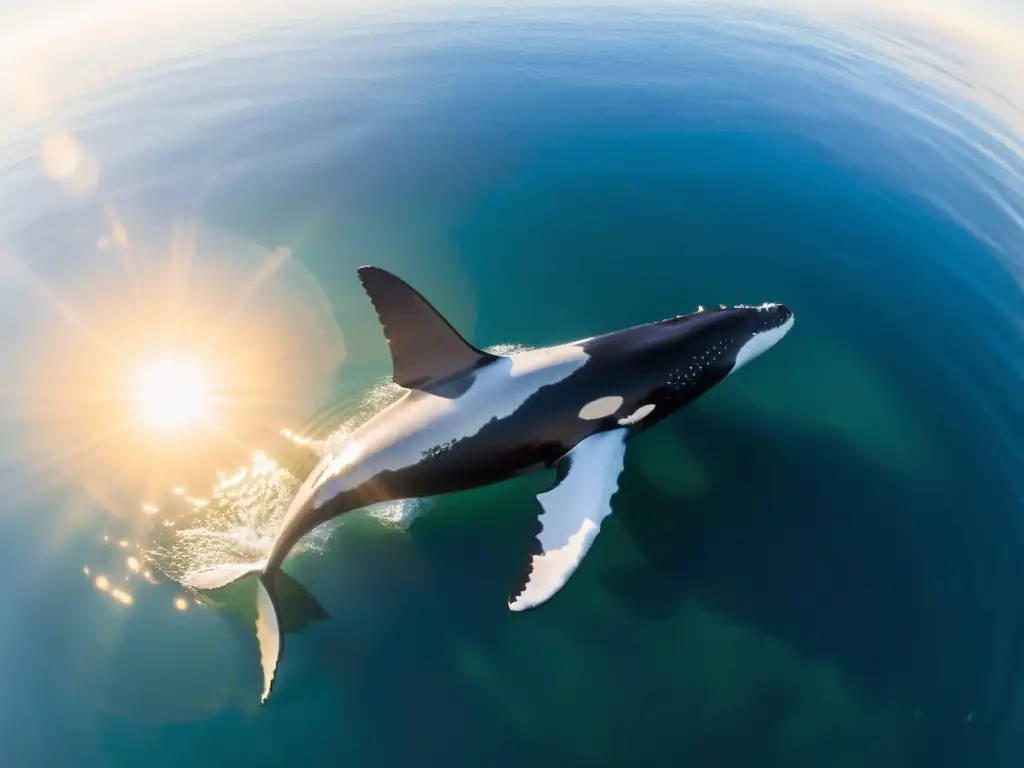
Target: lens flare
(171,394)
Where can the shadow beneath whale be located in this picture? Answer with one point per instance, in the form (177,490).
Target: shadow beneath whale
(400,604)
(792,523)
(803,538)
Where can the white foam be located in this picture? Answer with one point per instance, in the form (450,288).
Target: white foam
(507,350)
(399,514)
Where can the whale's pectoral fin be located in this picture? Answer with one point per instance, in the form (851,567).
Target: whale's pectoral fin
(588,477)
(425,348)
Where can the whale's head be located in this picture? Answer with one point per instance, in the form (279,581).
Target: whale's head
(663,366)
(687,355)
(746,332)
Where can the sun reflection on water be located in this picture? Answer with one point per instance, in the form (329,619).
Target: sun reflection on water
(158,361)
(167,366)
(155,358)
(158,350)
(238,519)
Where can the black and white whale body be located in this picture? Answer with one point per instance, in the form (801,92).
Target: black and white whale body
(471,418)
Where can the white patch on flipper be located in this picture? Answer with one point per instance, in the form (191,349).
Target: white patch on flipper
(760,343)
(638,415)
(573,512)
(401,434)
(219,575)
(598,409)
(268,633)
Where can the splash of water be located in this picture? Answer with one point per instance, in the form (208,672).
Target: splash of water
(236,524)
(241,517)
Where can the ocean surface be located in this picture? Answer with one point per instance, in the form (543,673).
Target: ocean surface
(819,563)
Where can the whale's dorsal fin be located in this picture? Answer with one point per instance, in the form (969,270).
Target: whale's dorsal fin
(424,347)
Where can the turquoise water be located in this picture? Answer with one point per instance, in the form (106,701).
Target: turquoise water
(816,564)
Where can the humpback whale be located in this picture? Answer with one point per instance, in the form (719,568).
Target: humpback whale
(470,418)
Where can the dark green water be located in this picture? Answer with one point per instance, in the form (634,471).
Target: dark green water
(817,564)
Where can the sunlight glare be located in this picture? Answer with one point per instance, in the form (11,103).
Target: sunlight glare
(171,394)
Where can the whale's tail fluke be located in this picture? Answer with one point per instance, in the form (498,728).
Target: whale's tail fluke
(303,607)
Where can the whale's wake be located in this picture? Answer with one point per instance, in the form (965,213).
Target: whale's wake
(238,522)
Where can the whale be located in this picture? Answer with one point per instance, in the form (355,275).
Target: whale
(470,418)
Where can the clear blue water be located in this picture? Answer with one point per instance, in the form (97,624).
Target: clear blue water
(819,563)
